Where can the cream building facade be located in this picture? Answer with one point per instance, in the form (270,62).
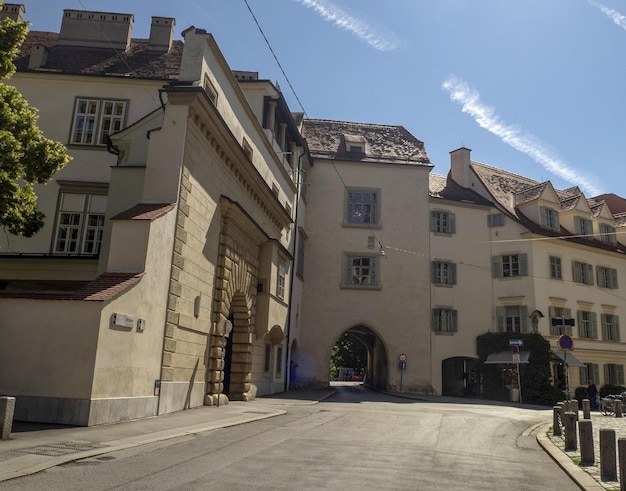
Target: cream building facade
(160,239)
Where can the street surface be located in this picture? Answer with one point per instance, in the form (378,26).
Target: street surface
(356,440)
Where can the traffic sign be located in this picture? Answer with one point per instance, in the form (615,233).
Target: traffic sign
(402,357)
(516,342)
(566,342)
(515,350)
(402,365)
(560,321)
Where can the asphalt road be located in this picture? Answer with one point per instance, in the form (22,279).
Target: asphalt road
(355,440)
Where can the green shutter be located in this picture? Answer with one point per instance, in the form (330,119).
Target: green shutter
(616,323)
(523,312)
(433,271)
(523,264)
(454,319)
(620,374)
(594,325)
(605,331)
(452,223)
(496,266)
(568,315)
(614,278)
(588,274)
(552,315)
(374,270)
(433,319)
(579,318)
(453,273)
(500,319)
(433,221)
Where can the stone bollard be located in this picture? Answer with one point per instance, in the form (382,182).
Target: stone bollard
(586,409)
(7,407)
(561,411)
(621,455)
(570,431)
(587,454)
(608,455)
(618,408)
(573,407)
(556,421)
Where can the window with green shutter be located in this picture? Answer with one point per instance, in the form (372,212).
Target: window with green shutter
(610,327)
(557,316)
(587,325)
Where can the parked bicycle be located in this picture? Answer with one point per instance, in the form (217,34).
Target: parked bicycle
(608,404)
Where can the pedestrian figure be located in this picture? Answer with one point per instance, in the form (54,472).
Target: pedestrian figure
(592,393)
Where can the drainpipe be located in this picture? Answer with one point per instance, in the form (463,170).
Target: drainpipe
(293,271)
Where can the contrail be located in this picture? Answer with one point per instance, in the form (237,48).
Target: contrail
(525,142)
(612,14)
(361,29)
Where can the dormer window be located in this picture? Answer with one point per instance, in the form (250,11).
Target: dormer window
(355,143)
(355,149)
(607,233)
(549,217)
(583,226)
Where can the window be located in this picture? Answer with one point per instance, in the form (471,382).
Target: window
(613,374)
(607,233)
(442,222)
(362,207)
(279,361)
(95,119)
(496,220)
(281,280)
(509,265)
(360,271)
(607,277)
(587,324)
(443,273)
(583,226)
(80,223)
(444,320)
(267,360)
(556,272)
(591,371)
(549,218)
(582,272)
(512,318)
(210,90)
(610,327)
(558,321)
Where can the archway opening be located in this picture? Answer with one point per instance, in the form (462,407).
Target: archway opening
(460,377)
(359,355)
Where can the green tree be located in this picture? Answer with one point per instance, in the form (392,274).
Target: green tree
(26,156)
(348,352)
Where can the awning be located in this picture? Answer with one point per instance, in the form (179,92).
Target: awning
(506,356)
(570,359)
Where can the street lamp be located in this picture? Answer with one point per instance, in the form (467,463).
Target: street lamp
(224,327)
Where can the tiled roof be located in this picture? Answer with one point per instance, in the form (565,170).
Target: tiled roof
(105,287)
(502,185)
(326,139)
(144,211)
(620,221)
(616,203)
(441,187)
(136,62)
(530,194)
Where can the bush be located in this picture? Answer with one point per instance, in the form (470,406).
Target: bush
(607,389)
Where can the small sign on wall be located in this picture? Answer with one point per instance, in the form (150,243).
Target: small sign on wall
(122,320)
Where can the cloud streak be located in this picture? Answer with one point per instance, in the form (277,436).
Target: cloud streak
(612,14)
(486,117)
(377,39)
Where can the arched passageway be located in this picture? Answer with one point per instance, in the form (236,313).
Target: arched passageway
(376,360)
(460,377)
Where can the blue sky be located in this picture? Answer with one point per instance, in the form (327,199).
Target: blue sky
(535,87)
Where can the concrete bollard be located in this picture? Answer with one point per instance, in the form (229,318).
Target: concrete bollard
(556,421)
(570,431)
(608,455)
(586,409)
(7,408)
(587,453)
(618,408)
(621,455)
(573,407)
(561,411)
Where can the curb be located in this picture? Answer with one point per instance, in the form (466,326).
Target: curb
(583,480)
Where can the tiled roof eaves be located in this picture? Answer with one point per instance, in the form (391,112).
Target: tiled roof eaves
(105,287)
(145,211)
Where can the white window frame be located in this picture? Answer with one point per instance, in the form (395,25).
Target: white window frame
(587,325)
(79,228)
(362,207)
(582,272)
(606,277)
(607,233)
(610,327)
(443,273)
(360,271)
(549,218)
(444,320)
(495,220)
(556,268)
(583,226)
(281,279)
(613,374)
(102,117)
(512,318)
(510,265)
(442,222)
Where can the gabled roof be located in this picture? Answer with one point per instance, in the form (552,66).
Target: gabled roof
(444,188)
(388,144)
(616,203)
(136,62)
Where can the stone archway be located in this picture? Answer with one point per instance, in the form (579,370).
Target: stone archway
(377,373)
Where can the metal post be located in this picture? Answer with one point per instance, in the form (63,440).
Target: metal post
(219,378)
(519,384)
(566,370)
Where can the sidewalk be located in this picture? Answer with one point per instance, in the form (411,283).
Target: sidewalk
(36,447)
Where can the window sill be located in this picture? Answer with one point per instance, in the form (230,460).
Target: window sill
(376,226)
(344,286)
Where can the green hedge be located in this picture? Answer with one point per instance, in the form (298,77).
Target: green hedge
(534,375)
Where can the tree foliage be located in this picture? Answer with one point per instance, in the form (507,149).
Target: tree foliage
(348,352)
(26,156)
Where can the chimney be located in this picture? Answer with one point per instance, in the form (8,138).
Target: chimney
(13,11)
(38,57)
(96,29)
(460,166)
(161,34)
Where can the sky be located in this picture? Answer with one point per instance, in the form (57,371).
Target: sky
(534,87)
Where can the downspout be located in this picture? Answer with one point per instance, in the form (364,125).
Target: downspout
(293,271)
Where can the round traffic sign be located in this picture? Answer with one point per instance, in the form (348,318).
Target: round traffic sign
(402,357)
(566,342)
